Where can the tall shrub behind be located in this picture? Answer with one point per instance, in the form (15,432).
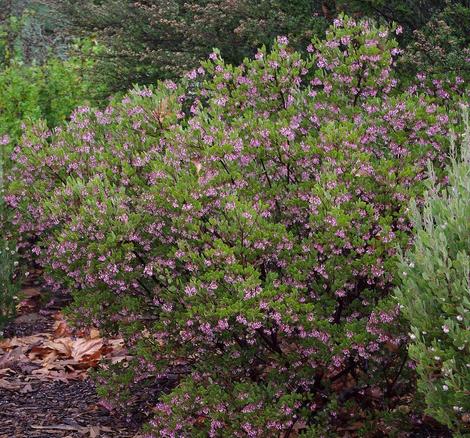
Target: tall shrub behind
(49,92)
(435,293)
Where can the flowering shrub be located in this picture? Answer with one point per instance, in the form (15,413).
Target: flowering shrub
(8,284)
(242,235)
(8,254)
(435,294)
(52,162)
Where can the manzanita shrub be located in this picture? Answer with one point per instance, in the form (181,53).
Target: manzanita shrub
(241,233)
(435,293)
(8,251)
(8,280)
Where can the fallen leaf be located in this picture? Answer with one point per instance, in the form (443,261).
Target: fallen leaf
(26,341)
(116,343)
(60,427)
(83,347)
(49,374)
(94,431)
(63,346)
(26,388)
(49,358)
(61,329)
(5,371)
(118,359)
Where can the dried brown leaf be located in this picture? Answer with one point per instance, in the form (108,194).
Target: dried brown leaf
(63,346)
(26,341)
(61,329)
(94,333)
(26,388)
(83,347)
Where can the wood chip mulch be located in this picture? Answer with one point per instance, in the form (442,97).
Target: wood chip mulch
(45,390)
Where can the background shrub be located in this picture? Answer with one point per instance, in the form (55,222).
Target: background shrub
(441,48)
(151,40)
(35,82)
(155,40)
(435,291)
(31,30)
(50,92)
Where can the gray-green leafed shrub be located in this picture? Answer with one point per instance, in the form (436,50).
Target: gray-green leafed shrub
(435,293)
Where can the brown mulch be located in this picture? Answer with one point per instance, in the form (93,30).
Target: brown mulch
(45,390)
(58,409)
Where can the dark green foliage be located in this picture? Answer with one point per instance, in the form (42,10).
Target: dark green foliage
(158,39)
(442,46)
(411,14)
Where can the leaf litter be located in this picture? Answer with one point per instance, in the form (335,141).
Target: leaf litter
(44,366)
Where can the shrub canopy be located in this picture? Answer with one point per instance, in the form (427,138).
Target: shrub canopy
(240,231)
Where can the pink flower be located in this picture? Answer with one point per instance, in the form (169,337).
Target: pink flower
(190,290)
(170,85)
(4,140)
